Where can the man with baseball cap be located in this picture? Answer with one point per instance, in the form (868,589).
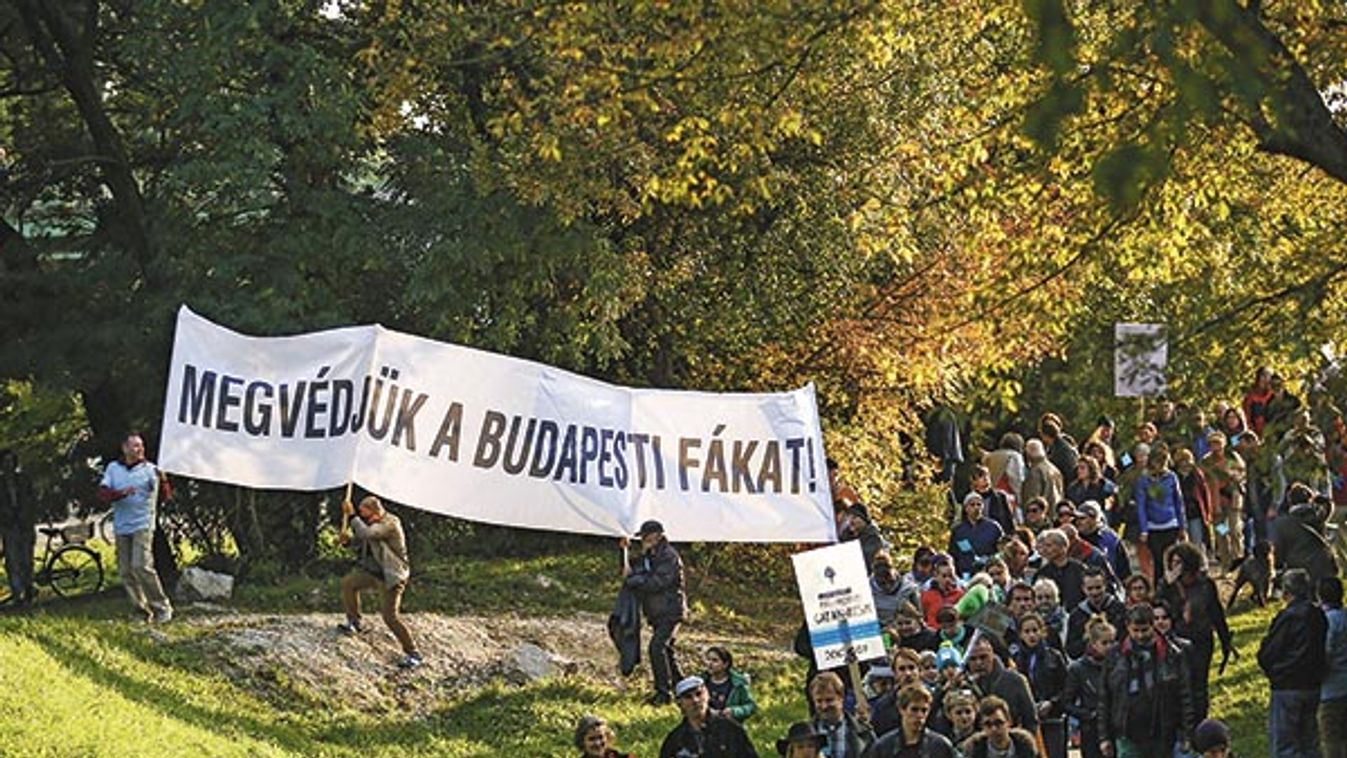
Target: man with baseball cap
(700,733)
(656,575)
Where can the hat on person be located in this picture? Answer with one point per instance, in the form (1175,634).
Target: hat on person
(1209,734)
(1090,509)
(970,497)
(858,509)
(801,733)
(688,684)
(650,527)
(879,672)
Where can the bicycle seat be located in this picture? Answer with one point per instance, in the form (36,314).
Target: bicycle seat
(49,531)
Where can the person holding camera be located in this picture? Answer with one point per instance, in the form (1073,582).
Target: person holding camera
(381,547)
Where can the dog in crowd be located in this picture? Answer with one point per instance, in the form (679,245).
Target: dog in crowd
(1256,571)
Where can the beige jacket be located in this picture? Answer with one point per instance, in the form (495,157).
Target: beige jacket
(386,544)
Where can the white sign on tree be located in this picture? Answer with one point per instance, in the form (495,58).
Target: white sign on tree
(838,605)
(1140,356)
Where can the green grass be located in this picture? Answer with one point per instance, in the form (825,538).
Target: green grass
(76,679)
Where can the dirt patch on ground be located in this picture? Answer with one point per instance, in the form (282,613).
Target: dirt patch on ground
(304,656)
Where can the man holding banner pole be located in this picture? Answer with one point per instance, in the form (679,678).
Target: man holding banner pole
(656,574)
(382,549)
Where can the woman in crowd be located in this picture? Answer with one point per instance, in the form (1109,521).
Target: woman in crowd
(1090,484)
(727,687)
(1159,508)
(1045,668)
(1138,590)
(594,739)
(1199,617)
(1232,425)
(1196,497)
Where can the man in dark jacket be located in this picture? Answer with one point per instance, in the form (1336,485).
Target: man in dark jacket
(858,526)
(700,734)
(656,574)
(1097,601)
(990,677)
(1145,706)
(1292,657)
(912,737)
(1298,542)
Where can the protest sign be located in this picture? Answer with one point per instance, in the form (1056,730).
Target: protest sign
(838,605)
(491,438)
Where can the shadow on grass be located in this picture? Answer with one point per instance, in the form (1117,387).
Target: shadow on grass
(78,661)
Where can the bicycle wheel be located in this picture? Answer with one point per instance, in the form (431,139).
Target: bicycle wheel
(75,570)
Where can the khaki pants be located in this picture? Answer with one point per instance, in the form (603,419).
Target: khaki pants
(1229,546)
(360,580)
(135,562)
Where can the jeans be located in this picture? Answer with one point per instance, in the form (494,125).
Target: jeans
(1126,748)
(663,664)
(1293,725)
(1199,671)
(135,563)
(1159,541)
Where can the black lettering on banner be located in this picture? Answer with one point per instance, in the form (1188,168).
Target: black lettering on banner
(686,445)
(451,429)
(196,397)
(589,450)
(638,443)
(605,455)
(317,405)
(568,456)
(620,458)
(488,442)
(740,477)
(257,413)
(379,430)
(517,450)
(406,421)
(290,405)
(770,471)
(230,399)
(546,445)
(343,397)
(794,444)
(714,471)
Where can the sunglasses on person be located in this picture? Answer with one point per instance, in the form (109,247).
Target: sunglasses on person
(994,723)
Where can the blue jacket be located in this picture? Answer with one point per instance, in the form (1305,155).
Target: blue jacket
(970,541)
(1159,502)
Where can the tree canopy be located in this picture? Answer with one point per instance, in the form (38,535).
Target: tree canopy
(896,201)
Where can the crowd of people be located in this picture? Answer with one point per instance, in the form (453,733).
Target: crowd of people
(1075,602)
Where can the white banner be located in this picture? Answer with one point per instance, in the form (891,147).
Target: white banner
(491,438)
(839,607)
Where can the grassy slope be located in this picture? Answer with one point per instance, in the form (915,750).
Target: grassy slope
(75,680)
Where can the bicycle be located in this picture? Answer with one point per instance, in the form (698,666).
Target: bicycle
(70,569)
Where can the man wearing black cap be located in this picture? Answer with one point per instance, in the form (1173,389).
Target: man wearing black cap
(701,734)
(858,526)
(656,574)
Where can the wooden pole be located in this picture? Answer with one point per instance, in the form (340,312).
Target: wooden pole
(345,517)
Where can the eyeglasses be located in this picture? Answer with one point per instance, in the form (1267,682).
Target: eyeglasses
(993,723)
